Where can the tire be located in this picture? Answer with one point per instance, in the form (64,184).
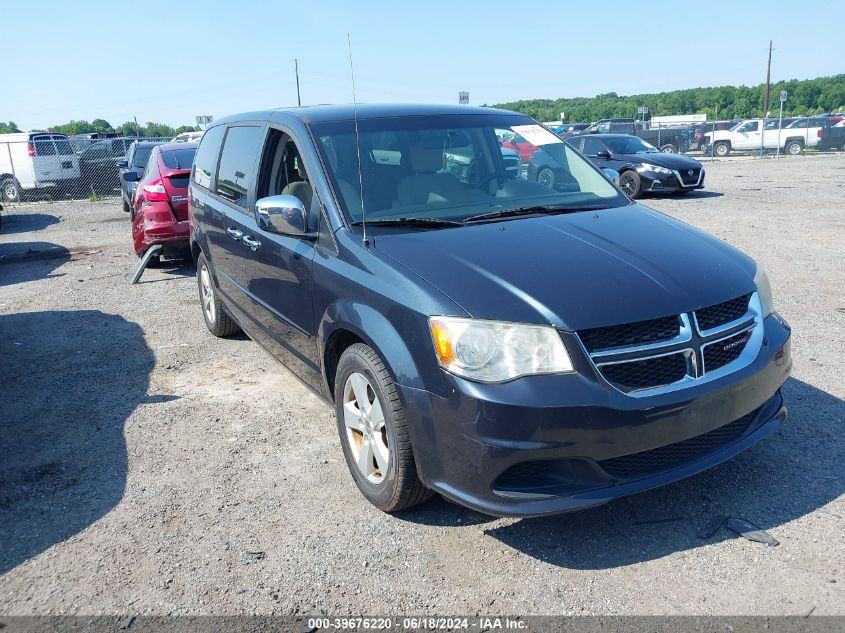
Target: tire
(721,148)
(125,206)
(630,183)
(669,148)
(10,190)
(360,375)
(546,177)
(216,320)
(793,148)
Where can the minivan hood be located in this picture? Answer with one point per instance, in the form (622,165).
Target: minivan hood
(662,159)
(575,271)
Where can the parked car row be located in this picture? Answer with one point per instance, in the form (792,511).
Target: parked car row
(721,137)
(84,164)
(518,345)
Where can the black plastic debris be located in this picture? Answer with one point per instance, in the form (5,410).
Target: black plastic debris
(745,529)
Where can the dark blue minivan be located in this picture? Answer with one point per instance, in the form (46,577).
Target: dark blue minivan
(520,349)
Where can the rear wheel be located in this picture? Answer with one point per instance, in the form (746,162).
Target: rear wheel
(216,320)
(669,148)
(722,148)
(546,177)
(374,431)
(10,190)
(793,148)
(630,183)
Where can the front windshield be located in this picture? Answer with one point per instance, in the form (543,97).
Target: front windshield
(453,167)
(629,145)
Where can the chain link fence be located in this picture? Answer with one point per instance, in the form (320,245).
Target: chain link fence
(43,166)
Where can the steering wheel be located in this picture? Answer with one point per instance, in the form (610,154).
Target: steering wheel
(499,176)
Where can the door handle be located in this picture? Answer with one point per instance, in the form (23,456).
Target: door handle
(253,244)
(234,233)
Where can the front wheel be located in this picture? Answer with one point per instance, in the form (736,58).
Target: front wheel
(722,149)
(630,183)
(669,148)
(374,431)
(216,320)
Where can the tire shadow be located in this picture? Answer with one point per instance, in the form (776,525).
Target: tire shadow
(71,380)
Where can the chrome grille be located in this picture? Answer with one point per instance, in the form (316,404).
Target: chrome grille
(689,179)
(722,352)
(641,374)
(722,313)
(637,333)
(671,352)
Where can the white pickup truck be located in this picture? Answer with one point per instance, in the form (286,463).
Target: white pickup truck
(752,134)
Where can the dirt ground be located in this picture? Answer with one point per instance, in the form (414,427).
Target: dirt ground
(149,468)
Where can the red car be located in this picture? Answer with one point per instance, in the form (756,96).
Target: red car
(159,208)
(525,149)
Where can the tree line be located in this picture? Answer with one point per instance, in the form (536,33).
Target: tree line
(130,128)
(807,96)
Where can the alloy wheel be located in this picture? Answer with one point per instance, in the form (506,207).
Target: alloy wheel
(207,295)
(366,432)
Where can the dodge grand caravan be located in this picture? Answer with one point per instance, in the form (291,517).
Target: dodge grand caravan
(518,349)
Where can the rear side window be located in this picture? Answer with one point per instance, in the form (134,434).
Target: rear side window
(142,155)
(237,163)
(205,161)
(44,146)
(179,158)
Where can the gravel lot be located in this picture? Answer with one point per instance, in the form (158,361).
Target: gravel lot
(147,467)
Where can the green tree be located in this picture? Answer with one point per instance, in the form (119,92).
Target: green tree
(101,125)
(8,128)
(823,94)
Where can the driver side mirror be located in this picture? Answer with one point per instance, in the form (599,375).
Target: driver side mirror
(130,176)
(603,153)
(283,214)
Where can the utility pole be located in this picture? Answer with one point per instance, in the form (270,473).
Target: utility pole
(768,81)
(299,100)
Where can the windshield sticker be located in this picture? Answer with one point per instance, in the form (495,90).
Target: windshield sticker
(536,134)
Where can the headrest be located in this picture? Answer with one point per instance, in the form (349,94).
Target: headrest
(425,160)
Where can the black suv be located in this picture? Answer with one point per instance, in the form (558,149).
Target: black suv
(519,349)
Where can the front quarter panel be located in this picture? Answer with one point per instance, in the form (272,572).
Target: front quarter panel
(362,291)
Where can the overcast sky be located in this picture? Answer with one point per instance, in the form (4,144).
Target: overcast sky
(167,62)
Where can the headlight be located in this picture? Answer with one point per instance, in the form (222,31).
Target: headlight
(492,351)
(764,290)
(654,168)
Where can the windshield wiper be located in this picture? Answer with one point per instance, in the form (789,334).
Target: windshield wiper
(535,210)
(424,222)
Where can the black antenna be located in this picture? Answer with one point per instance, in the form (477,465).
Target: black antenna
(296,66)
(357,140)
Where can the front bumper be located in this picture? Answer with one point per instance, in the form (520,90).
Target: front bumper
(668,183)
(542,445)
